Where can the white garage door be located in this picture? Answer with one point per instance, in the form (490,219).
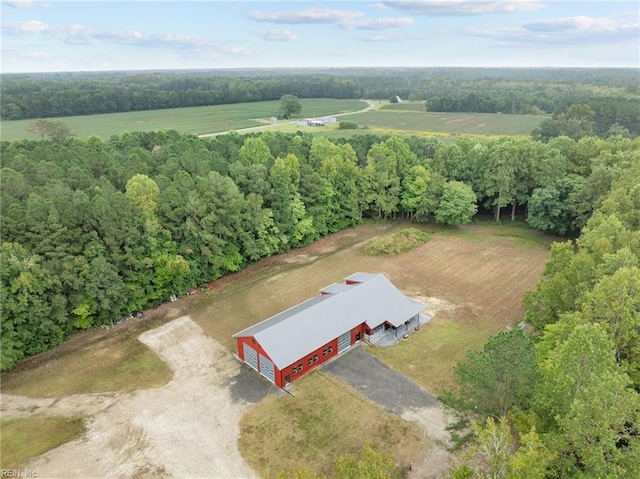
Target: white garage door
(266,368)
(250,356)
(344,341)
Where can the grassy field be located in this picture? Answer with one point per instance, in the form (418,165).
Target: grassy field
(198,120)
(411,118)
(325,420)
(118,363)
(482,270)
(25,438)
(450,123)
(479,272)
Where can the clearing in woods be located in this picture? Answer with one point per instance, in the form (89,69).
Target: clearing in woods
(472,278)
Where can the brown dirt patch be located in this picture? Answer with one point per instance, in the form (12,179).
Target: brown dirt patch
(188,428)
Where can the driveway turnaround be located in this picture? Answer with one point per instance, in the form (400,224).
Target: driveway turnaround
(379,383)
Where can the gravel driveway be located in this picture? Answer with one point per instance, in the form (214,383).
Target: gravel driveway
(378,382)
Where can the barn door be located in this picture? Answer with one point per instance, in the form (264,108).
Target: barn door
(266,368)
(344,341)
(250,356)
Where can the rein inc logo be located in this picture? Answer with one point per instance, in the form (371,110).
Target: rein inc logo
(18,473)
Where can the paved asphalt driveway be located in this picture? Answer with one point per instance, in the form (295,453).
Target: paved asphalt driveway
(378,382)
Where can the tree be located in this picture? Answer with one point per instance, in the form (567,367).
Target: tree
(550,207)
(457,204)
(498,378)
(420,192)
(614,302)
(54,129)
(289,105)
(584,398)
(372,464)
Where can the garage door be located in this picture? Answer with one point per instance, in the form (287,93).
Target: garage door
(250,356)
(266,368)
(344,341)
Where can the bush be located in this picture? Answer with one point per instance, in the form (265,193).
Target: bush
(347,125)
(398,242)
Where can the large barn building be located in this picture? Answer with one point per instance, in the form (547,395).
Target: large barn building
(290,344)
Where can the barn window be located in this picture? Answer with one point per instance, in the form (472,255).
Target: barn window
(294,371)
(310,362)
(330,349)
(324,352)
(315,358)
(299,367)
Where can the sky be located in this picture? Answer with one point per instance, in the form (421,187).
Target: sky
(54,36)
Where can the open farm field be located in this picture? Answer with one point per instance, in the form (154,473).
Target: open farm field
(447,123)
(197,120)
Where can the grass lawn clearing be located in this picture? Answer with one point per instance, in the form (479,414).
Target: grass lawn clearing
(481,269)
(197,120)
(397,242)
(25,438)
(325,420)
(118,363)
(451,123)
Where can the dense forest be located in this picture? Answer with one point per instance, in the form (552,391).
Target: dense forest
(564,401)
(613,95)
(94,230)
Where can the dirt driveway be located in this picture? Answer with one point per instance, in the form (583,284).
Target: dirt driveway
(188,428)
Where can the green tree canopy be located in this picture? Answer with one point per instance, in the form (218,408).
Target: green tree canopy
(289,105)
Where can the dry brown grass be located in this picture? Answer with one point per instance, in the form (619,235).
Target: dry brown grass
(325,420)
(118,363)
(25,438)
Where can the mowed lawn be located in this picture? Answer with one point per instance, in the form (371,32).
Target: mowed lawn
(481,270)
(197,120)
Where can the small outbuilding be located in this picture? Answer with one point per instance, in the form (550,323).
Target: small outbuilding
(294,342)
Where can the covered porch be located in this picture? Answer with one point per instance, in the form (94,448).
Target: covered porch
(387,335)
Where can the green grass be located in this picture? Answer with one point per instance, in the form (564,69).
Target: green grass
(446,123)
(198,120)
(405,106)
(120,363)
(325,420)
(25,438)
(397,242)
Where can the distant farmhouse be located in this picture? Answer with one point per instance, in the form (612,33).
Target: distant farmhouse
(327,120)
(296,341)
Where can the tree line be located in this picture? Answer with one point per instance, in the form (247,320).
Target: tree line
(612,94)
(93,230)
(563,399)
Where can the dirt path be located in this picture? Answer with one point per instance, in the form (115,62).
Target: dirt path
(188,428)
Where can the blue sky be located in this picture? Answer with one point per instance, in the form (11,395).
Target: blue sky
(53,35)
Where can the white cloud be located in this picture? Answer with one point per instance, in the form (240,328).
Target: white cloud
(277,35)
(24,4)
(378,23)
(308,16)
(448,8)
(75,34)
(349,19)
(394,37)
(30,27)
(566,31)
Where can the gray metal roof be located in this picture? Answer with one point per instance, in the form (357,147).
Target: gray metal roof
(336,288)
(360,277)
(296,332)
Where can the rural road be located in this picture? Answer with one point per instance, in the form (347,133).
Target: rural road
(370,106)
